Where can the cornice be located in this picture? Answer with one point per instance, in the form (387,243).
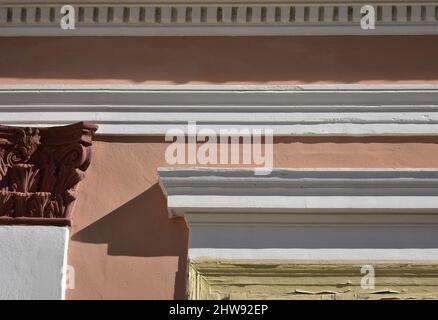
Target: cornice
(192,191)
(40,169)
(306,214)
(311,110)
(212,18)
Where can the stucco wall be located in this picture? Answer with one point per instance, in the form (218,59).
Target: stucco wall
(124,246)
(275,60)
(122,243)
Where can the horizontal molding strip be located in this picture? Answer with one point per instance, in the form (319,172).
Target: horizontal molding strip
(324,220)
(357,110)
(300,191)
(217,18)
(314,214)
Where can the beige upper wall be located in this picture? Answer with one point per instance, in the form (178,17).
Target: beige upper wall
(252,60)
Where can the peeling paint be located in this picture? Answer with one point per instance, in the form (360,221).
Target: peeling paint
(332,280)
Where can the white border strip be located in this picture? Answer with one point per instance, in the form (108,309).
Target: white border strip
(369,254)
(287,110)
(65,266)
(315,30)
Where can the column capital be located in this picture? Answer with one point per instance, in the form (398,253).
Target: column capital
(40,169)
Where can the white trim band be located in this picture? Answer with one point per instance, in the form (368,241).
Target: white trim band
(300,190)
(307,214)
(287,110)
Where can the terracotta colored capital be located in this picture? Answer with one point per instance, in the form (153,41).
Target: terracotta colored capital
(40,169)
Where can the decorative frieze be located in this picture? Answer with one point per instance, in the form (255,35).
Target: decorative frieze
(40,169)
(217,17)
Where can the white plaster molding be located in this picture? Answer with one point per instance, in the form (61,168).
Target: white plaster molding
(307,214)
(300,190)
(287,110)
(33,262)
(217,18)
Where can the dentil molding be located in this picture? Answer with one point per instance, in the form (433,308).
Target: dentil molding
(218,17)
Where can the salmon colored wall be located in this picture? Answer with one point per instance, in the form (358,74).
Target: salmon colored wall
(124,246)
(182,60)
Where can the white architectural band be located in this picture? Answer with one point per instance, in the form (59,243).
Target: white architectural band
(307,214)
(287,110)
(300,190)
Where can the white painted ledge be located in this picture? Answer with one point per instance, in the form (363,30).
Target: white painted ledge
(307,214)
(300,190)
(357,110)
(33,262)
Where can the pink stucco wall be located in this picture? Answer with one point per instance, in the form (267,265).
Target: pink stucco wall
(122,243)
(183,60)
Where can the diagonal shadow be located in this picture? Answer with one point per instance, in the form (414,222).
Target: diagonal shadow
(141,227)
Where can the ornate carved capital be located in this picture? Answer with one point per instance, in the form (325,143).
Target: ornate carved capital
(40,169)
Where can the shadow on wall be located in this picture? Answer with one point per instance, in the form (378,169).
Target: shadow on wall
(129,231)
(179,60)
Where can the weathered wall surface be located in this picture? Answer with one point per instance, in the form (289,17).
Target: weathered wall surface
(274,60)
(309,280)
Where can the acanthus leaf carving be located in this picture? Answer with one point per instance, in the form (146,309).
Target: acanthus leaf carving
(40,169)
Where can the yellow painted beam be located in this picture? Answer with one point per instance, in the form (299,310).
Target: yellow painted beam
(286,279)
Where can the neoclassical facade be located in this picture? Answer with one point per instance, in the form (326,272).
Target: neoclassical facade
(218,149)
